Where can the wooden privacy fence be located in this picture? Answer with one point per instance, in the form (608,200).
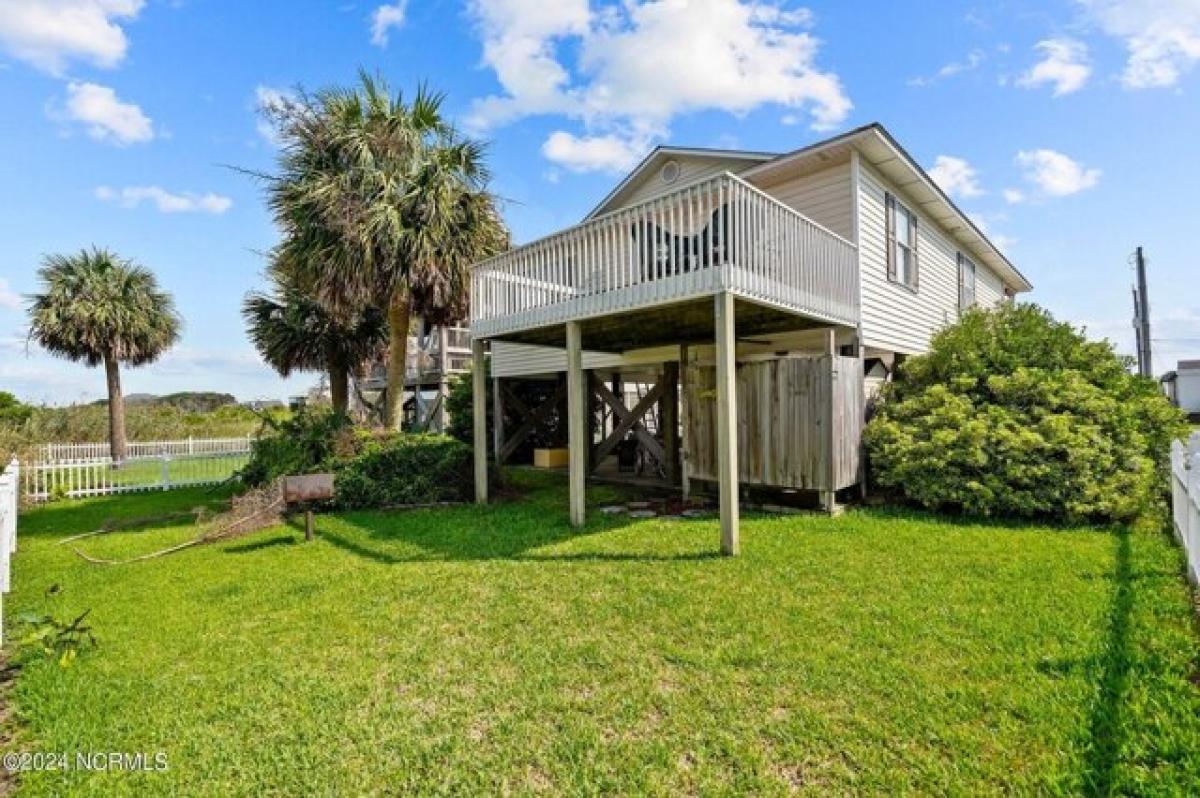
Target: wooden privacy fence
(10,480)
(100,477)
(1185,500)
(800,422)
(59,452)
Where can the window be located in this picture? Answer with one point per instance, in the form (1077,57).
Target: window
(966,282)
(902,260)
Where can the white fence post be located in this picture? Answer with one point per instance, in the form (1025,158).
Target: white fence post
(1185,500)
(14,470)
(10,486)
(166,471)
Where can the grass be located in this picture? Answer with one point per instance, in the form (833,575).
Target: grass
(495,650)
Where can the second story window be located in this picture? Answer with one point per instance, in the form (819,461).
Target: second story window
(966,282)
(902,262)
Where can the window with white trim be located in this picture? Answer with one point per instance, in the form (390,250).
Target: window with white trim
(902,261)
(966,282)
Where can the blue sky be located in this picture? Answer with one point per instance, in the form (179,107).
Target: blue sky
(1067,128)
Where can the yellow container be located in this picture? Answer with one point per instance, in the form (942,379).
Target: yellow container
(551,458)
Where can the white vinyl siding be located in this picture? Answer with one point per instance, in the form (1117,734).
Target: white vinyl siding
(895,317)
(826,197)
(691,169)
(516,360)
(989,290)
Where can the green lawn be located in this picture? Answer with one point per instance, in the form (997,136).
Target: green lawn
(477,651)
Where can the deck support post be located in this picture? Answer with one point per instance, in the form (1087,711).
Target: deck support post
(685,482)
(576,434)
(479,417)
(828,496)
(443,377)
(497,420)
(669,419)
(727,448)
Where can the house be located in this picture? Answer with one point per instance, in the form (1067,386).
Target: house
(758,296)
(435,355)
(1182,387)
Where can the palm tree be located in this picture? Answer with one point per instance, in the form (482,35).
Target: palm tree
(294,332)
(98,308)
(382,203)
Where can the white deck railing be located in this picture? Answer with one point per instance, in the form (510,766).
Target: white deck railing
(720,234)
(1185,500)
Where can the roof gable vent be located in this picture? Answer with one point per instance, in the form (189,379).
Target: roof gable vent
(670,171)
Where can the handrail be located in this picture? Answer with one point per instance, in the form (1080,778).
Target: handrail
(717,233)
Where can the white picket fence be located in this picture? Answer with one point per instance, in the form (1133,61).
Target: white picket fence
(1185,500)
(65,452)
(10,482)
(80,470)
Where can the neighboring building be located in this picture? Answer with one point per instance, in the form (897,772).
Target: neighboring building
(1182,386)
(435,356)
(846,246)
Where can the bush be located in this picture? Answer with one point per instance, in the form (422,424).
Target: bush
(405,469)
(302,444)
(1013,413)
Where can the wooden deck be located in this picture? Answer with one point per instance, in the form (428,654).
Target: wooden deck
(718,235)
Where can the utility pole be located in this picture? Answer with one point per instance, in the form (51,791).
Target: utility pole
(1141,316)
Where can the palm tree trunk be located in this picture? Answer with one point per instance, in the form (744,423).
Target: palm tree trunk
(339,386)
(399,311)
(116,409)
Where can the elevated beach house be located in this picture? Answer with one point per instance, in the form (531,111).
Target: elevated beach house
(755,300)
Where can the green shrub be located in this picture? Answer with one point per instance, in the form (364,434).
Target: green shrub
(405,469)
(1014,413)
(302,444)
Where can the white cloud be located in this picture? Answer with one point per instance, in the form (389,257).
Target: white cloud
(519,44)
(107,117)
(1014,196)
(267,99)
(640,64)
(968,64)
(9,298)
(165,201)
(1064,64)
(384,18)
(1162,37)
(51,33)
(1055,174)
(956,177)
(608,153)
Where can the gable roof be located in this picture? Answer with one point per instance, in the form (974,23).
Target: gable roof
(881,150)
(661,154)
(878,148)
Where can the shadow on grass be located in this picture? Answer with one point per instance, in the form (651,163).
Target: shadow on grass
(66,518)
(1106,728)
(259,545)
(499,532)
